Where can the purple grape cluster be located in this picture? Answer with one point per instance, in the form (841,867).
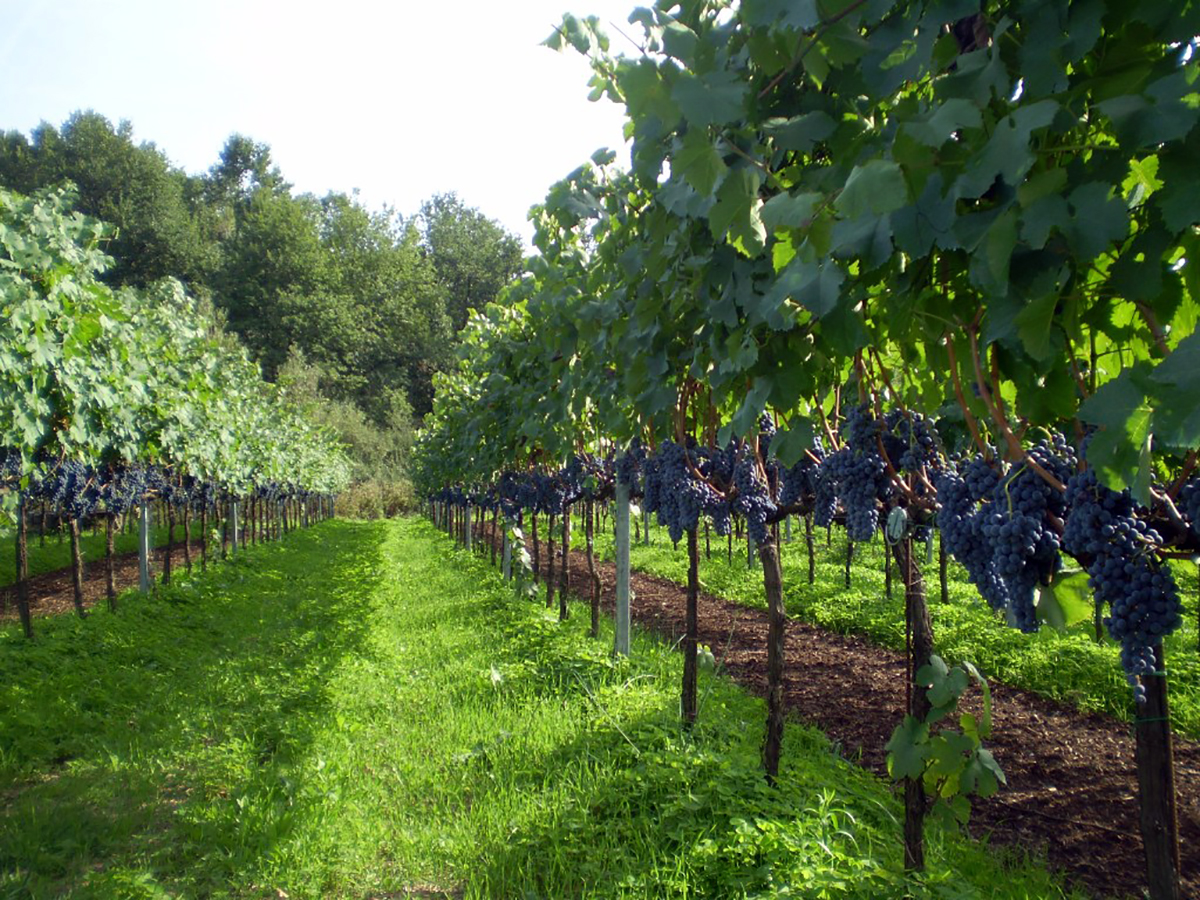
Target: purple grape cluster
(910,441)
(998,522)
(1104,530)
(961,525)
(857,475)
(1189,504)
(753,502)
(628,464)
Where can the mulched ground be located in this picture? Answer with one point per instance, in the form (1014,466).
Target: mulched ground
(52,593)
(1072,785)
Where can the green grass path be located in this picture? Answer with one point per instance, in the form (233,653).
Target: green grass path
(362,712)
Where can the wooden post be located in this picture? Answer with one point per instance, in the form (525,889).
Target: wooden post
(204,537)
(166,576)
(550,563)
(920,642)
(564,583)
(76,568)
(537,574)
(808,541)
(110,582)
(589,531)
(688,700)
(1156,785)
(506,558)
(776,633)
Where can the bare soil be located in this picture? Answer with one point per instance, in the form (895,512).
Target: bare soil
(52,593)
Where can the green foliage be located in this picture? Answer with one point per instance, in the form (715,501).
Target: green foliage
(474,257)
(953,764)
(1007,182)
(373,299)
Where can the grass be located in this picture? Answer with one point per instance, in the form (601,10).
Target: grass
(1070,666)
(361,711)
(55,552)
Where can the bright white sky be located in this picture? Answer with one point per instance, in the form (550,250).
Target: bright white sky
(400,99)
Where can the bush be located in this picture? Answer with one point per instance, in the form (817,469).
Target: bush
(376,498)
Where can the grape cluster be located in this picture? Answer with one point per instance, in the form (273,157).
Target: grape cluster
(798,481)
(674,493)
(509,489)
(998,523)
(910,441)
(766,433)
(719,463)
(1189,504)
(961,525)
(1104,530)
(122,489)
(824,496)
(981,478)
(71,486)
(856,476)
(1025,546)
(753,501)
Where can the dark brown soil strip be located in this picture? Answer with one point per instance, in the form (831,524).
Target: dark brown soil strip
(50,593)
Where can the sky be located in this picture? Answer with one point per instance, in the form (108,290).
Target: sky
(398,99)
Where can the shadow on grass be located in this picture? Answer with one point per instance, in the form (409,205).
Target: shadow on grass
(630,803)
(156,747)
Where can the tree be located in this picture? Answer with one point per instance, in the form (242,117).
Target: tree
(272,261)
(473,255)
(132,186)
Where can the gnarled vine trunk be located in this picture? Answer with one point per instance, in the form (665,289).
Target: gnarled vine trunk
(920,650)
(589,529)
(76,568)
(688,701)
(564,584)
(768,554)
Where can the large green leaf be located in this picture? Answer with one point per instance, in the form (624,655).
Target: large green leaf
(1066,601)
(1120,410)
(907,749)
(736,214)
(874,187)
(714,98)
(698,162)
